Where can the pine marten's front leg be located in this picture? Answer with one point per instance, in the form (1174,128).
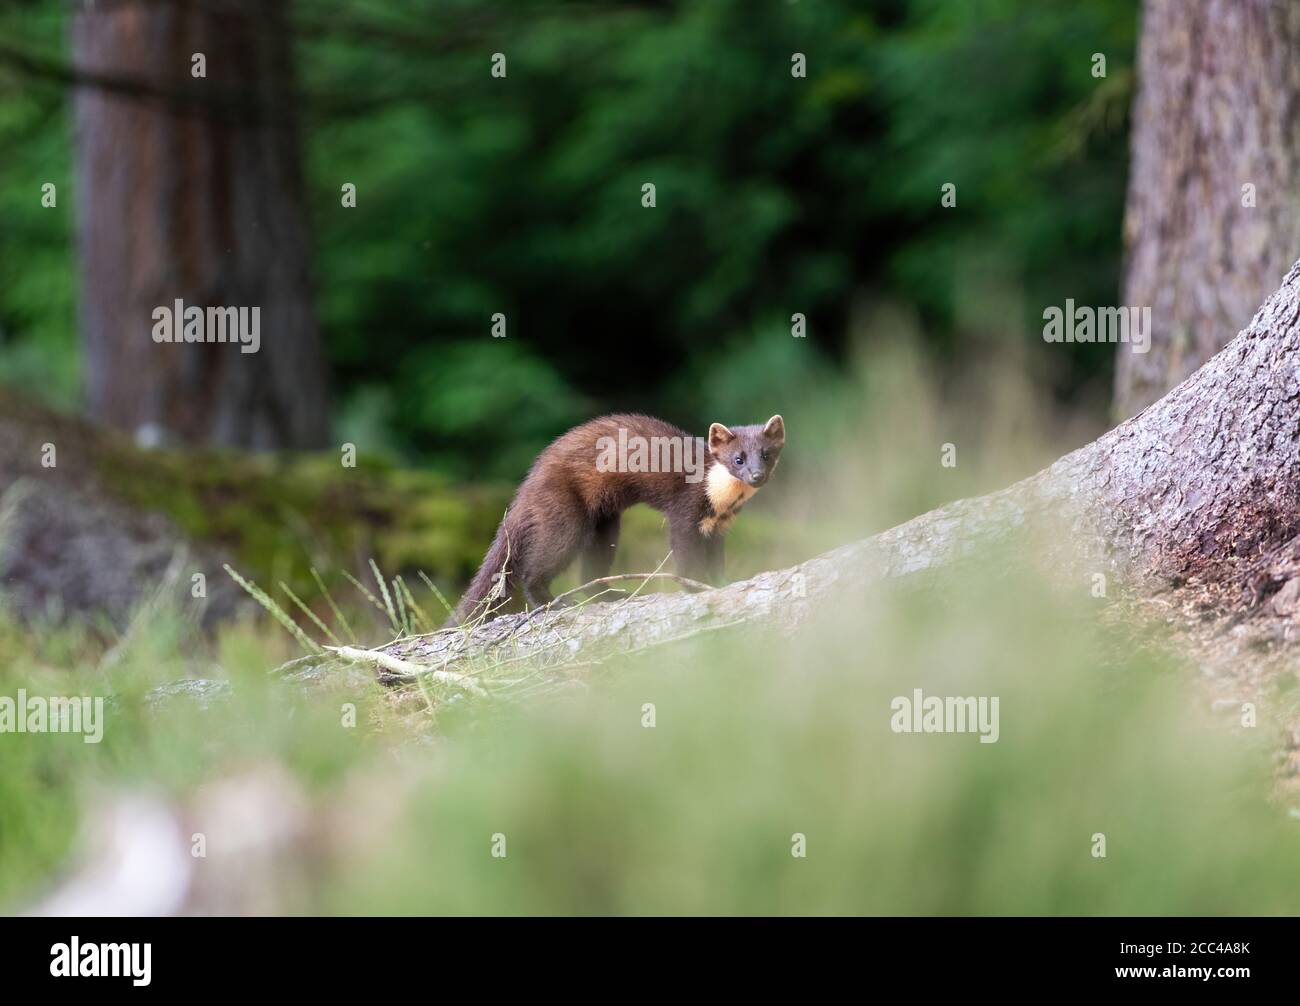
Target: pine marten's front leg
(714,564)
(696,557)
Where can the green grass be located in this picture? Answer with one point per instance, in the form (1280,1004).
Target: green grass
(758,740)
(755,740)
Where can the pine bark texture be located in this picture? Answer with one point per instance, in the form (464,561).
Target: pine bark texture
(192,190)
(1217,109)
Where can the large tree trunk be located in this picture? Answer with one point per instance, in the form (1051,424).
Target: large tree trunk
(1204,486)
(191,189)
(1218,108)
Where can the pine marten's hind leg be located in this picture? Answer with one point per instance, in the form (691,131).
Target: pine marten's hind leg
(598,552)
(537,593)
(562,527)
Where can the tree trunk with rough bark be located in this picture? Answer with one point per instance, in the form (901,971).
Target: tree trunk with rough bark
(190,189)
(1203,486)
(1217,111)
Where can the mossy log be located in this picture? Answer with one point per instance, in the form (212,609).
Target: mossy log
(90,523)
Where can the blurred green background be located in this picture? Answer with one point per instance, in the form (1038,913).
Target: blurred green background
(775,196)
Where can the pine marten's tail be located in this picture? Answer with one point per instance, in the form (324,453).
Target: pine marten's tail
(479,597)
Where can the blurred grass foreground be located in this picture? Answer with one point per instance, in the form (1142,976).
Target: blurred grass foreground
(734,773)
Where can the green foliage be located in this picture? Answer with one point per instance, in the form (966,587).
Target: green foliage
(774,195)
(522,195)
(999,99)
(38,333)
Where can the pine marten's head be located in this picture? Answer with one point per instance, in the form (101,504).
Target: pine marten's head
(749,453)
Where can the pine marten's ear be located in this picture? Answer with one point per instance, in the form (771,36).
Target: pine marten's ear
(775,430)
(719,436)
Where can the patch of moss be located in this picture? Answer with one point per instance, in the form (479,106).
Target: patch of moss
(279,515)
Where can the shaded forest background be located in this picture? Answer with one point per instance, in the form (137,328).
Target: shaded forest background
(478,195)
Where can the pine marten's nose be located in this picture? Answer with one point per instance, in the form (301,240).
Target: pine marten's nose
(756,478)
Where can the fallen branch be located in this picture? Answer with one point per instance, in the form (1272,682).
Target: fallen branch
(404,669)
(695,586)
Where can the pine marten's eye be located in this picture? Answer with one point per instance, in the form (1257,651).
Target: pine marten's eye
(740,459)
(765,454)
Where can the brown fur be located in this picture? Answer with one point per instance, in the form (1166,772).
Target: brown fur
(567,508)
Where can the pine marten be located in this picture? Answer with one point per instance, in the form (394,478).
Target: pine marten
(570,503)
